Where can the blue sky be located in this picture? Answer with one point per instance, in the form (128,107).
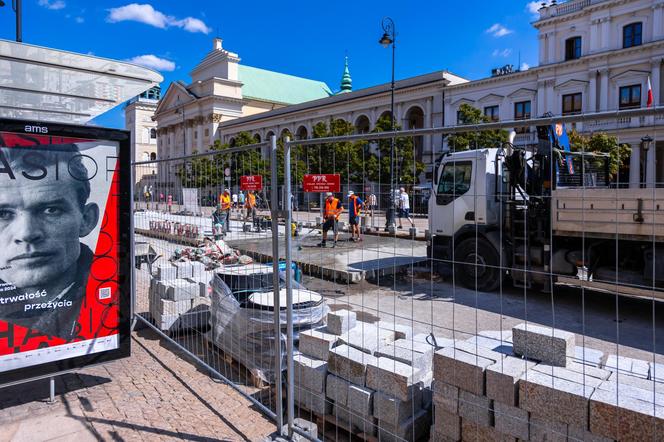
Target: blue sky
(304,38)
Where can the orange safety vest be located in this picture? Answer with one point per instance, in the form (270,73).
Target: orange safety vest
(332,208)
(356,205)
(225,201)
(251,201)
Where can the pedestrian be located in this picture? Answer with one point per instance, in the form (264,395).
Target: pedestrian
(234,198)
(372,202)
(404,208)
(225,202)
(240,200)
(331,214)
(355,205)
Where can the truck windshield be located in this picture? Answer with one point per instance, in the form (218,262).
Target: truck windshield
(455,178)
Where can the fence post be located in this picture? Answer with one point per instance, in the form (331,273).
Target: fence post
(274,214)
(290,395)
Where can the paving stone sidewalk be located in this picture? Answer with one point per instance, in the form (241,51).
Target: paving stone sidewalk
(153,395)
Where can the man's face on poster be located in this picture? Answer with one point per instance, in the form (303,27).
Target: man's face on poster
(41,222)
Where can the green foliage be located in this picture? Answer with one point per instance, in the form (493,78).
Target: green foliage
(619,154)
(476,139)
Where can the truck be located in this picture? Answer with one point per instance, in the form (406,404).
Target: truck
(545,216)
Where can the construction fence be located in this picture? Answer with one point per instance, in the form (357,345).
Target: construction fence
(516,296)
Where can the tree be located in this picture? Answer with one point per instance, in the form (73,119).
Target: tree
(619,153)
(406,167)
(475,139)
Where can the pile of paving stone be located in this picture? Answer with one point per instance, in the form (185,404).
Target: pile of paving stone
(179,296)
(534,383)
(373,379)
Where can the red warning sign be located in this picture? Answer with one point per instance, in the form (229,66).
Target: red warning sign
(251,182)
(326,182)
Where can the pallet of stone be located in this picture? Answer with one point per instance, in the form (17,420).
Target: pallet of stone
(233,365)
(368,337)
(317,342)
(329,424)
(464,365)
(544,344)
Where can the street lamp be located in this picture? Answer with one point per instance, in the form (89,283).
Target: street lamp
(645,146)
(17,6)
(389,38)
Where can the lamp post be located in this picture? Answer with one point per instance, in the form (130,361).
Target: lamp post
(389,39)
(645,146)
(17,7)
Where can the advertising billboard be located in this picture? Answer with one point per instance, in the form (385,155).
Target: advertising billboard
(65,250)
(325,182)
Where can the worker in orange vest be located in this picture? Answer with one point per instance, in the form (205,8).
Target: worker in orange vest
(355,205)
(225,203)
(250,205)
(331,214)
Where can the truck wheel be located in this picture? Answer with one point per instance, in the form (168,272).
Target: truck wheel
(477,266)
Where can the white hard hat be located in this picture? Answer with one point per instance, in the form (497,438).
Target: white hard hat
(328,194)
(350,193)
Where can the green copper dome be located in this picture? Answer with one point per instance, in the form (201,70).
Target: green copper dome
(346,81)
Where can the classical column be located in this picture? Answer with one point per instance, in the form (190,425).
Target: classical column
(635,167)
(592,92)
(655,74)
(651,169)
(658,20)
(606,23)
(551,43)
(542,49)
(604,90)
(428,122)
(541,98)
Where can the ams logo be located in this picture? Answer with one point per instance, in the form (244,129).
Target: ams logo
(36,129)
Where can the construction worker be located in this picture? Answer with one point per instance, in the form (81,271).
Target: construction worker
(333,209)
(250,205)
(218,220)
(355,205)
(225,203)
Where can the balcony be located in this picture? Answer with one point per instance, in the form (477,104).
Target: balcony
(568,7)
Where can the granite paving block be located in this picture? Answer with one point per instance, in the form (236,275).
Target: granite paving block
(317,342)
(360,400)
(496,340)
(340,321)
(461,369)
(478,350)
(502,379)
(475,408)
(576,372)
(393,377)
(510,420)
(473,432)
(446,425)
(544,344)
(437,341)
(656,371)
(400,331)
(367,337)
(499,335)
(184,269)
(543,429)
(624,386)
(649,385)
(412,429)
(588,356)
(349,363)
(547,395)
(336,389)
(446,396)
(181,289)
(312,401)
(166,271)
(575,434)
(198,272)
(168,307)
(622,417)
(310,373)
(419,355)
(392,410)
(354,421)
(635,367)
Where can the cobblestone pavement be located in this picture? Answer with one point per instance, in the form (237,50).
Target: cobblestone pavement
(153,395)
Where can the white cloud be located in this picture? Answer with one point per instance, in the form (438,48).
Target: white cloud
(52,4)
(145,13)
(504,53)
(525,66)
(153,62)
(79,20)
(498,30)
(534,7)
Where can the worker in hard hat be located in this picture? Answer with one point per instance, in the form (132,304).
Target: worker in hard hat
(355,205)
(225,203)
(331,214)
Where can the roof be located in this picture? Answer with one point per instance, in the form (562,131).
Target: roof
(48,84)
(264,85)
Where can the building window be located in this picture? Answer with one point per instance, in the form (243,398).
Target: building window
(207,132)
(491,112)
(573,48)
(630,96)
(572,104)
(521,112)
(196,134)
(632,35)
(153,156)
(153,134)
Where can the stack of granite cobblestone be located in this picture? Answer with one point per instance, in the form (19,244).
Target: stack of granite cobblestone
(372,379)
(534,383)
(178,296)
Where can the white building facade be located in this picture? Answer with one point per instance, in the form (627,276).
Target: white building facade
(139,113)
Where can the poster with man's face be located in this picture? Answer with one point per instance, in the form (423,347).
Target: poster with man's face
(60,272)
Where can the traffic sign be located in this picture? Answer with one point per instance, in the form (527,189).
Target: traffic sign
(326,182)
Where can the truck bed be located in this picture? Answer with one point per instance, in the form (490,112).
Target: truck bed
(609,213)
